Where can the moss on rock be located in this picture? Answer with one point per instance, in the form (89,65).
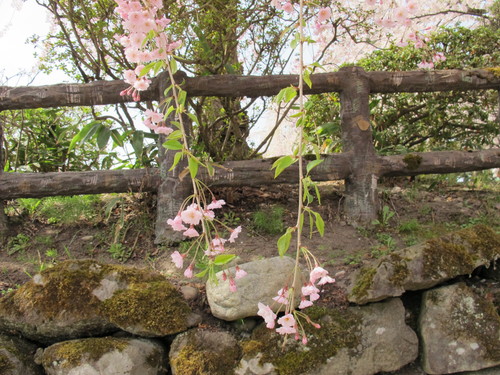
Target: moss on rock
(363,282)
(201,352)
(76,352)
(458,253)
(339,330)
(149,309)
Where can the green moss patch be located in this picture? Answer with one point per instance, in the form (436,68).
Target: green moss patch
(155,307)
(77,352)
(457,253)
(363,282)
(339,329)
(412,161)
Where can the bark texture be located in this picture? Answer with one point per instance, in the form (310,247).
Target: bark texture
(108,92)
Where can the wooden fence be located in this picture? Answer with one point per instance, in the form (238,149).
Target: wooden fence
(358,164)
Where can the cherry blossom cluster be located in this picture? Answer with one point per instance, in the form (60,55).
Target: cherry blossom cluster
(140,21)
(154,121)
(309,294)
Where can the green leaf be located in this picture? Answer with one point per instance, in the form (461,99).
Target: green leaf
(177,158)
(87,131)
(222,259)
(117,139)
(103,135)
(286,94)
(173,65)
(313,164)
(282,163)
(193,165)
(202,273)
(182,97)
(320,224)
(284,242)
(173,144)
(176,134)
(138,143)
(146,69)
(307,77)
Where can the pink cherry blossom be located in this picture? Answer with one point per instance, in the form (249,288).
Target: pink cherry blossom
(218,245)
(189,271)
(286,330)
(232,285)
(163,130)
(288,7)
(282,296)
(268,315)
(426,65)
(191,215)
(317,273)
(326,280)
(216,204)
(234,234)
(371,3)
(287,320)
(209,214)
(191,232)
(304,340)
(239,273)
(412,7)
(324,14)
(177,258)
(130,77)
(142,84)
(309,289)
(439,56)
(400,14)
(153,115)
(176,223)
(305,303)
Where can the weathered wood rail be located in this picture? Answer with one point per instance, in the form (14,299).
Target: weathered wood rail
(359,165)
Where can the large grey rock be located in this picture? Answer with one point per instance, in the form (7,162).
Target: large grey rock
(84,298)
(425,265)
(460,331)
(263,281)
(16,357)
(361,340)
(105,356)
(204,352)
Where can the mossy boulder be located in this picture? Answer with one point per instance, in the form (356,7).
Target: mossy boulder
(78,299)
(460,330)
(425,265)
(359,340)
(201,352)
(16,357)
(105,355)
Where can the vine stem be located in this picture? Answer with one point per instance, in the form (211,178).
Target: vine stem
(185,142)
(300,207)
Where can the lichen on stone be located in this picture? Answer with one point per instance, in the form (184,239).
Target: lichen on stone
(477,319)
(495,70)
(412,161)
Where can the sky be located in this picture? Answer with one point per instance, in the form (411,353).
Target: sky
(18,21)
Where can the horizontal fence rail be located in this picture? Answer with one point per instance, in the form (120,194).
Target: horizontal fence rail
(108,92)
(238,173)
(359,164)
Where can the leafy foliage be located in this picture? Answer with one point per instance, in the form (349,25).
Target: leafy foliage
(423,121)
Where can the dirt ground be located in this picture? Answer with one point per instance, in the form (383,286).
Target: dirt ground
(125,234)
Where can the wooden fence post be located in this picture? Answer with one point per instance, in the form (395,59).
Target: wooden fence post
(361,203)
(3,217)
(172,190)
